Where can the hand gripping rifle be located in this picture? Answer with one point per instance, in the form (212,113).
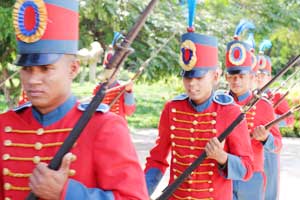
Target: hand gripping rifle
(140,70)
(114,63)
(168,191)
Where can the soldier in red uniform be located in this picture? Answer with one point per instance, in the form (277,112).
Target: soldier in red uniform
(239,76)
(190,124)
(123,105)
(47,33)
(271,162)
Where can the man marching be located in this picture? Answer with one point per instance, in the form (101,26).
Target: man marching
(47,37)
(190,124)
(239,75)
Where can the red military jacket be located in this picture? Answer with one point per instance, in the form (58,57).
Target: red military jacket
(261,114)
(185,132)
(104,156)
(125,105)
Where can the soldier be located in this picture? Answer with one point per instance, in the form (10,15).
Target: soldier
(271,162)
(190,124)
(123,105)
(47,37)
(239,76)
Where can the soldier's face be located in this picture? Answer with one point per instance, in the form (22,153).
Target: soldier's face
(239,83)
(200,89)
(49,86)
(262,79)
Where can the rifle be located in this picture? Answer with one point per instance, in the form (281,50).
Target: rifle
(114,63)
(283,83)
(140,70)
(282,117)
(167,192)
(276,104)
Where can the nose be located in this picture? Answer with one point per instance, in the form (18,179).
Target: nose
(34,75)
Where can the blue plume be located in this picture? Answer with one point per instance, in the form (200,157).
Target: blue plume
(250,40)
(117,36)
(243,25)
(182,2)
(265,45)
(192,9)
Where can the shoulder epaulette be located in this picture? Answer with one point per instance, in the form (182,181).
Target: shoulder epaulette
(23,106)
(180,97)
(101,108)
(223,98)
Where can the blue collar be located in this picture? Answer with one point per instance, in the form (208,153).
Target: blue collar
(55,115)
(241,97)
(203,106)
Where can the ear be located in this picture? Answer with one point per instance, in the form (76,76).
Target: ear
(74,68)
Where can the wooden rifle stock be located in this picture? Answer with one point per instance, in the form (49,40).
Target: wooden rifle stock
(114,63)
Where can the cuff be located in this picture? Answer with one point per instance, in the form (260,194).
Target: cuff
(129,98)
(269,144)
(235,168)
(152,176)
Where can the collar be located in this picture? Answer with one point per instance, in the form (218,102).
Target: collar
(201,107)
(241,97)
(55,115)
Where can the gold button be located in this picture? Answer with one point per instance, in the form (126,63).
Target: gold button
(5,171)
(210,173)
(212,164)
(192,148)
(213,122)
(40,131)
(72,172)
(7,186)
(189,197)
(192,130)
(7,142)
(192,139)
(191,156)
(172,127)
(36,159)
(173,144)
(7,129)
(195,122)
(253,113)
(5,156)
(214,114)
(189,189)
(73,157)
(172,136)
(175,177)
(174,118)
(174,152)
(174,160)
(190,182)
(209,182)
(211,189)
(173,110)
(214,130)
(7,198)
(38,146)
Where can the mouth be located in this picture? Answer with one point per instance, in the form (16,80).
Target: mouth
(35,93)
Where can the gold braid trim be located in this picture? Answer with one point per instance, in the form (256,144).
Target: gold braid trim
(195,190)
(192,130)
(194,122)
(7,172)
(36,146)
(214,114)
(38,131)
(191,198)
(189,138)
(195,173)
(187,147)
(8,186)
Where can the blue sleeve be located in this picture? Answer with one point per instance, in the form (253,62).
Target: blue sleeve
(76,190)
(129,98)
(153,176)
(235,168)
(269,144)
